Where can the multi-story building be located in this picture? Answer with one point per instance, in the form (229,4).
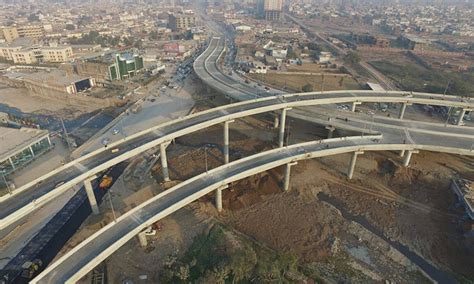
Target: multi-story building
(57,54)
(29,55)
(181,22)
(271,10)
(110,67)
(24,51)
(7,51)
(29,31)
(10,34)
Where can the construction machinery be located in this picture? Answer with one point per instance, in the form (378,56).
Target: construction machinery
(106,182)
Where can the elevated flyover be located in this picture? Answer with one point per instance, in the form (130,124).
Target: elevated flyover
(84,257)
(36,193)
(383,135)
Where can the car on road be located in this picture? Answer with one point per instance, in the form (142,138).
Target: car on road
(105,141)
(115,131)
(59,184)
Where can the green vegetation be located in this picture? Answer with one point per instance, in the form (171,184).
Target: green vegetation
(414,77)
(308,88)
(351,58)
(222,256)
(33,18)
(94,37)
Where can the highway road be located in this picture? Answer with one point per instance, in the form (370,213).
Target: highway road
(84,257)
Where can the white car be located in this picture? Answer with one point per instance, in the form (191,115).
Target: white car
(115,131)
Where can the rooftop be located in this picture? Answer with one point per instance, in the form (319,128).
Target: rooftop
(14,140)
(56,77)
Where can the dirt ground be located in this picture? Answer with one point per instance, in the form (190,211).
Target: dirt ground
(20,98)
(296,82)
(413,206)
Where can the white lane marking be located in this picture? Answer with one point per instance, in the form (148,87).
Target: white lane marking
(409,138)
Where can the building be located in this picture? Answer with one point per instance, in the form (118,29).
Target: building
(57,54)
(270,10)
(382,42)
(325,57)
(31,31)
(39,54)
(181,22)
(110,67)
(57,82)
(126,65)
(20,147)
(23,51)
(28,31)
(10,34)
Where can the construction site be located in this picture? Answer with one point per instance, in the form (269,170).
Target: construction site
(389,223)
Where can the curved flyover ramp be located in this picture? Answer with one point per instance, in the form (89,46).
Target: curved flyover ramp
(80,260)
(36,193)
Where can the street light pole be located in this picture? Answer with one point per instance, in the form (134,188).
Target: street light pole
(112,205)
(205,156)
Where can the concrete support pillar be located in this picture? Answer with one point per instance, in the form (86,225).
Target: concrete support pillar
(461,116)
(142,239)
(164,161)
(219,197)
(402,111)
(402,153)
(49,140)
(352,164)
(282,127)
(331,130)
(353,106)
(32,152)
(407,157)
(226,141)
(11,163)
(286,184)
(276,122)
(91,196)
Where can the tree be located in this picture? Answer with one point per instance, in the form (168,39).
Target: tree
(351,58)
(307,88)
(153,35)
(33,18)
(341,81)
(70,27)
(314,46)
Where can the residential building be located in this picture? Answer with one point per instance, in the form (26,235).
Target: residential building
(10,34)
(181,22)
(29,31)
(56,54)
(269,10)
(27,53)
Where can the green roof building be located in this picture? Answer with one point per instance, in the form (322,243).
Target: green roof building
(125,66)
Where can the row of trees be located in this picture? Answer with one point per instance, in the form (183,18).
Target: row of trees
(94,37)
